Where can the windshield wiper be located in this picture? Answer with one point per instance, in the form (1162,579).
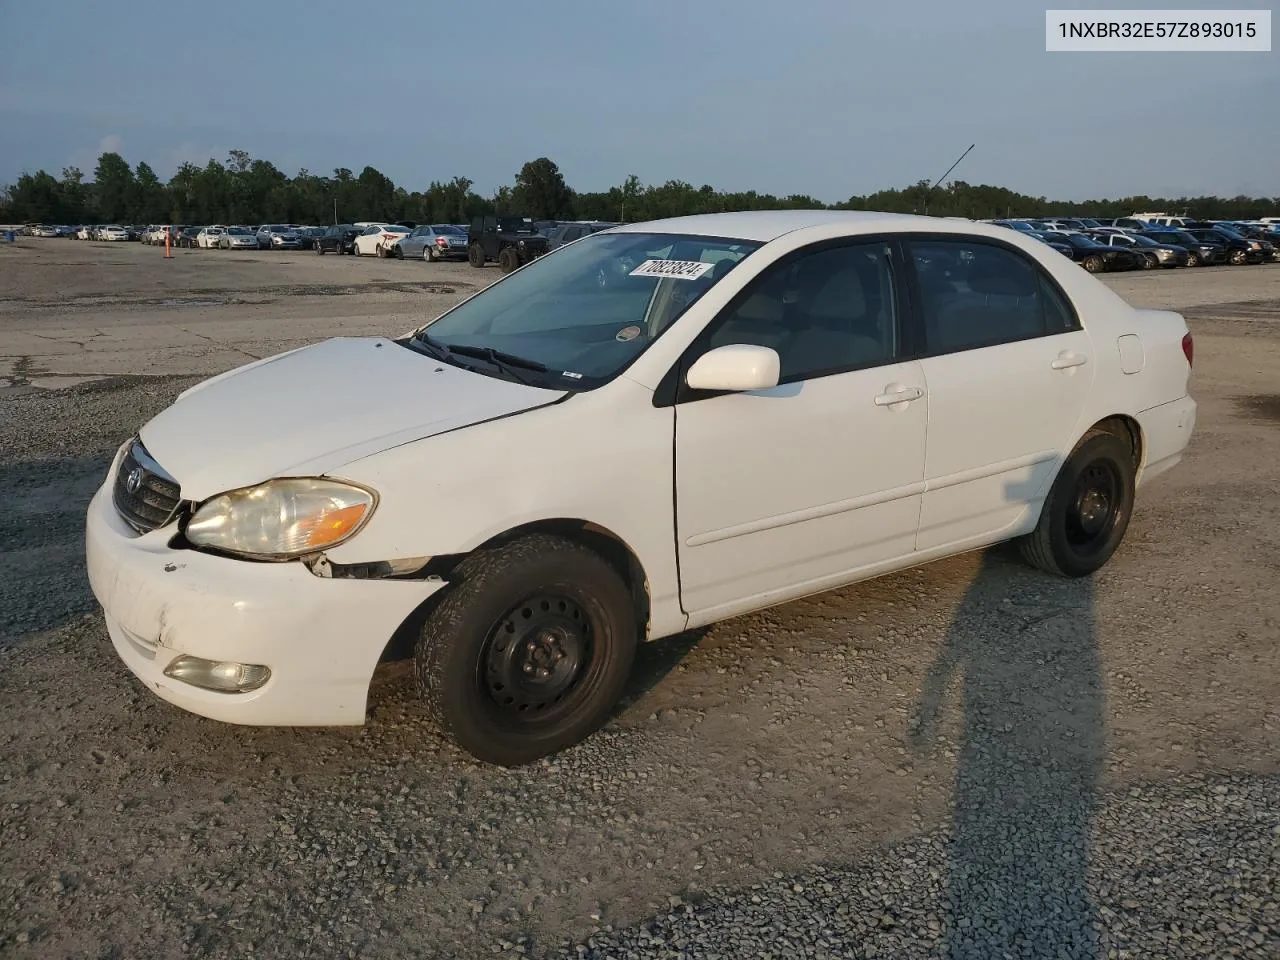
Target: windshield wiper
(497,357)
(506,362)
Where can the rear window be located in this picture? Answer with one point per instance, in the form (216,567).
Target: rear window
(449,229)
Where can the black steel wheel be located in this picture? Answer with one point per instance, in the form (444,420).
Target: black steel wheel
(1087,512)
(529,650)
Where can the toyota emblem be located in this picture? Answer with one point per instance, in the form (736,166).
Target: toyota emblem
(134,481)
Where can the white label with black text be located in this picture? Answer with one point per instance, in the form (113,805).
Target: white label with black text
(676,269)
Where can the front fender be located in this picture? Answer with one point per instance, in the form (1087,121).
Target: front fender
(604,457)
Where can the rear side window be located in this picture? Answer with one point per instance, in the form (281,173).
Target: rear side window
(977,295)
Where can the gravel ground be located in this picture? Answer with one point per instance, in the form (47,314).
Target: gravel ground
(964,760)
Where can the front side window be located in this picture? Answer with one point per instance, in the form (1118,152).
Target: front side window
(824,311)
(583,312)
(978,295)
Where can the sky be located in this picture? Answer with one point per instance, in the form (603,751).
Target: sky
(830,98)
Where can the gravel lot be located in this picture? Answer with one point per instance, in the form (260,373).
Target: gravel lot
(965,760)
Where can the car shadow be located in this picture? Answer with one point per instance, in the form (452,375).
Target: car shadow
(1027,765)
(654,662)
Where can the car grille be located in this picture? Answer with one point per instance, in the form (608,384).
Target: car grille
(144,495)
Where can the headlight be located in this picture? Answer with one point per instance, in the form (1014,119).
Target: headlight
(285,518)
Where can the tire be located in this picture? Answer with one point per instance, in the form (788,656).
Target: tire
(1094,263)
(562,601)
(378,251)
(430,254)
(1149,262)
(509,259)
(1193,259)
(475,255)
(320,249)
(1087,512)
(1238,257)
(399,254)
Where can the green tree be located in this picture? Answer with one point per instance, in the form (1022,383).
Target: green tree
(151,200)
(540,191)
(114,187)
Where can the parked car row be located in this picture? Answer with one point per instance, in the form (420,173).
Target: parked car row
(1131,243)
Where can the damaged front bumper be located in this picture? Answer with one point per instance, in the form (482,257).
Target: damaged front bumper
(320,637)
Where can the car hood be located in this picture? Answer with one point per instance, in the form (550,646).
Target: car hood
(312,410)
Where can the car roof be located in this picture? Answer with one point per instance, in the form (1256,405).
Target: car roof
(766,225)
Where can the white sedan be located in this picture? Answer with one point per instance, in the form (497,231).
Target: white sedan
(209,237)
(754,407)
(377,239)
(113,232)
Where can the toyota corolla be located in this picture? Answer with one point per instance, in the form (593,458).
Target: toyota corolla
(657,427)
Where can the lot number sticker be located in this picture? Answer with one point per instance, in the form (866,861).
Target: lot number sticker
(676,269)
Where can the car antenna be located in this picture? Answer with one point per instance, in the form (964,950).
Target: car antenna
(929,189)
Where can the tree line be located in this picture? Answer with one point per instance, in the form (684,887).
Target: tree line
(247,190)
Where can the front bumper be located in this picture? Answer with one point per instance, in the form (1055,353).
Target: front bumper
(321,638)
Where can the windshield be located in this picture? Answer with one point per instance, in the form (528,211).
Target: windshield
(238,231)
(1226,231)
(1145,242)
(588,310)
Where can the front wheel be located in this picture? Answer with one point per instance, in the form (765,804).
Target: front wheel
(1193,259)
(1094,264)
(509,260)
(529,651)
(1238,257)
(1085,516)
(320,249)
(1149,261)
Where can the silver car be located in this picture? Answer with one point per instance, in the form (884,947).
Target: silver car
(434,242)
(238,238)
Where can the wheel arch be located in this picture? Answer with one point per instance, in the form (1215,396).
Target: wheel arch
(1126,428)
(600,539)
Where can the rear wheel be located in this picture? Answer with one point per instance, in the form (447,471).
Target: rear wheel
(475,255)
(1238,257)
(1087,511)
(1094,264)
(529,651)
(1193,259)
(429,252)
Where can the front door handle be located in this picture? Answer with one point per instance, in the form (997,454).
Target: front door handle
(1066,360)
(897,393)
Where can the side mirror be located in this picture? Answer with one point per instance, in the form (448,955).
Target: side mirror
(737,367)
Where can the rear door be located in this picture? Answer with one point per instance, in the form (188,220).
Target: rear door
(1008,369)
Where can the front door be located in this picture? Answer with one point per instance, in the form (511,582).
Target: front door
(794,489)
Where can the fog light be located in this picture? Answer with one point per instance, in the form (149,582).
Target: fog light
(220,675)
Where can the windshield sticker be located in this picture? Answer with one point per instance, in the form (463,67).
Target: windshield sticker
(676,269)
(627,334)
(570,374)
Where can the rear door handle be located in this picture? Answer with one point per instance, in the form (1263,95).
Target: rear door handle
(1066,360)
(896,393)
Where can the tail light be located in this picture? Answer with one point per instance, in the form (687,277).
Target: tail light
(441,242)
(1188,348)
